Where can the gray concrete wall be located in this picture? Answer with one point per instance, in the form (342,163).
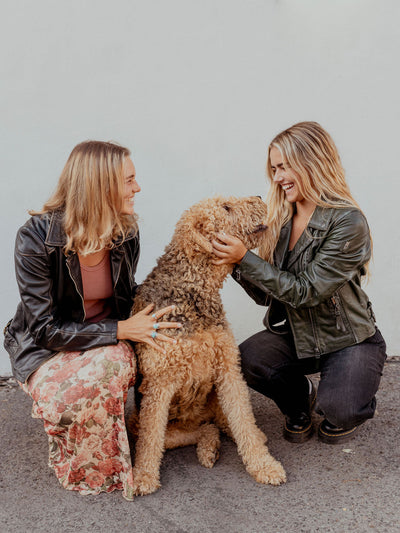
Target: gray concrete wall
(197,90)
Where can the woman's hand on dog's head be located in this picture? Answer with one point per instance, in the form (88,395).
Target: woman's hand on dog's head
(144,327)
(228,249)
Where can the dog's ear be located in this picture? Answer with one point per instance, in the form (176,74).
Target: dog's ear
(200,239)
(194,231)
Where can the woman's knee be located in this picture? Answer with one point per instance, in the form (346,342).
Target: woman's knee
(344,412)
(248,361)
(253,371)
(264,355)
(255,374)
(120,358)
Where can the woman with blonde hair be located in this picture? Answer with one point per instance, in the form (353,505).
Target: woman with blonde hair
(308,273)
(68,342)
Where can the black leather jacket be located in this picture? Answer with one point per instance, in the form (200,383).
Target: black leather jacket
(50,316)
(319,287)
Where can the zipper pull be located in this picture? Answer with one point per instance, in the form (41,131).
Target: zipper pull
(236,273)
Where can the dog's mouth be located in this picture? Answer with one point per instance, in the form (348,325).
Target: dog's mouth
(258,229)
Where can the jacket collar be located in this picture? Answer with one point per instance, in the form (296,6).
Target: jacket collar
(56,235)
(319,221)
(321,218)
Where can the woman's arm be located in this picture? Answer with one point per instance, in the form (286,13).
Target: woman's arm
(343,252)
(257,294)
(35,283)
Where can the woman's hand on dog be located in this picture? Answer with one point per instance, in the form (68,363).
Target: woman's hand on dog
(229,250)
(144,326)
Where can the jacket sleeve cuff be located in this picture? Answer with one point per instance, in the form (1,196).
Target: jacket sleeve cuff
(238,271)
(114,328)
(261,273)
(251,264)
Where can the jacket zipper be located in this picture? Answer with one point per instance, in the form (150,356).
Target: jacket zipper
(119,269)
(339,320)
(237,274)
(317,349)
(77,290)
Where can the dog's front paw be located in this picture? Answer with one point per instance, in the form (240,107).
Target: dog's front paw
(145,483)
(271,473)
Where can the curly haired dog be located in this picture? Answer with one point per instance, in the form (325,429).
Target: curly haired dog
(197,384)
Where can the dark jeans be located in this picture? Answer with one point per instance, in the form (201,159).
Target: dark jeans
(349,377)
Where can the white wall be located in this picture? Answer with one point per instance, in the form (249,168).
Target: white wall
(197,90)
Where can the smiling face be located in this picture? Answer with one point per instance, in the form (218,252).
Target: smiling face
(131,187)
(285,177)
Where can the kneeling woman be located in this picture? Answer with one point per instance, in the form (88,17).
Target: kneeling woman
(75,265)
(319,319)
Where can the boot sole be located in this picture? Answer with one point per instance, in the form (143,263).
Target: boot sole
(298,436)
(339,438)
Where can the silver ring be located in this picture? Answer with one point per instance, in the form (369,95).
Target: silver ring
(154,334)
(154,316)
(156,325)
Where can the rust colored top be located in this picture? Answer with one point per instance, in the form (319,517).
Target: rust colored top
(97,289)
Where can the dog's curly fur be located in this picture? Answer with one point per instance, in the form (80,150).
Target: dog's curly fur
(197,384)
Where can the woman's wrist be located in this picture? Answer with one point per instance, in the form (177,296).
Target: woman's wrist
(241,259)
(121,330)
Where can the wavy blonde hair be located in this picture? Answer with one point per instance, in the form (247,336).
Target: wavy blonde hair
(90,192)
(310,151)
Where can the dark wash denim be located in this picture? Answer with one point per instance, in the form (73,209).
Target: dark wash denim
(349,377)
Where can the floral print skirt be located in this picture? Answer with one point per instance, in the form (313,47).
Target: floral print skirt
(80,396)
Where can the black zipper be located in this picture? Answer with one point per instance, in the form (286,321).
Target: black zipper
(339,320)
(118,272)
(76,287)
(317,349)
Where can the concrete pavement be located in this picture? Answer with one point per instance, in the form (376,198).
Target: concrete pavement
(349,488)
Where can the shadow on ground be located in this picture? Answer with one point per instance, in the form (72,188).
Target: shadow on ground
(349,488)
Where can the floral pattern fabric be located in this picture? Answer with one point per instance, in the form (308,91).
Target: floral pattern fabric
(80,396)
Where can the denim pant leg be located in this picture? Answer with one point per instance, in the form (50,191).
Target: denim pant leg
(270,366)
(349,381)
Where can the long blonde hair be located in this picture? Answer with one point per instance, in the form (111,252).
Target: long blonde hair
(310,151)
(90,193)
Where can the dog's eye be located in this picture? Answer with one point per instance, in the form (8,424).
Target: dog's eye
(226,207)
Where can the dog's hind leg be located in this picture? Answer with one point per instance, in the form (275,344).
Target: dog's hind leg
(206,437)
(153,419)
(208,445)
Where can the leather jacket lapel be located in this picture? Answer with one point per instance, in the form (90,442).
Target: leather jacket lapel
(319,222)
(306,238)
(283,244)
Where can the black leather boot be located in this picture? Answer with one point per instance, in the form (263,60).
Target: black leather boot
(331,434)
(298,427)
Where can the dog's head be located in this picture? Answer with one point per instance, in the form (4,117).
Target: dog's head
(243,218)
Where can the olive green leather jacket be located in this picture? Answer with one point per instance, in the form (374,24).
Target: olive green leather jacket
(320,286)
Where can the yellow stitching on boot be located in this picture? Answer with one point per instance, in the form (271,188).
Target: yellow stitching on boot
(341,435)
(302,431)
